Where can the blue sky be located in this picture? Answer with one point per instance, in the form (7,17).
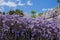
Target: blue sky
(27,5)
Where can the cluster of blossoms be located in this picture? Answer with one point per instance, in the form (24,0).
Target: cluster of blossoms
(15,27)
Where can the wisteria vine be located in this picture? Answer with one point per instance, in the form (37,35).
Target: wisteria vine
(14,27)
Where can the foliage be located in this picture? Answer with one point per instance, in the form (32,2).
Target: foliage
(11,12)
(19,12)
(40,14)
(4,13)
(33,16)
(33,13)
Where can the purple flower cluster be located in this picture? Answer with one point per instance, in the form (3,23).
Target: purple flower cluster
(15,27)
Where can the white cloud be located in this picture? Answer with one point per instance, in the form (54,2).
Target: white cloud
(44,9)
(48,9)
(20,4)
(29,2)
(1,1)
(11,4)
